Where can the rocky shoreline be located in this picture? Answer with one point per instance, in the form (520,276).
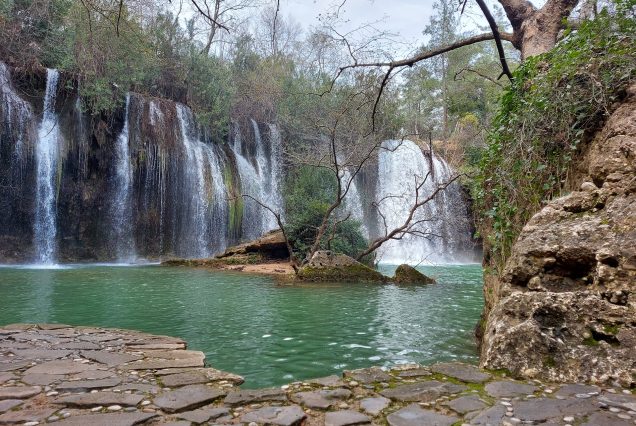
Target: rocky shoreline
(96,376)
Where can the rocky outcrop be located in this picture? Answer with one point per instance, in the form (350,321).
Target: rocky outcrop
(405,274)
(271,246)
(564,308)
(266,255)
(331,267)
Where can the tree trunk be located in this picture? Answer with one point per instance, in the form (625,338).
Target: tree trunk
(535,30)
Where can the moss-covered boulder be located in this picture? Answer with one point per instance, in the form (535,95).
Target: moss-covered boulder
(330,267)
(405,274)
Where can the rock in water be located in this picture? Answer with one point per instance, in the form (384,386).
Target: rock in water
(564,309)
(405,274)
(330,267)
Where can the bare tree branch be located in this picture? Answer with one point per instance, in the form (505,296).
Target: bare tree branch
(274,27)
(497,36)
(207,15)
(408,224)
(279,221)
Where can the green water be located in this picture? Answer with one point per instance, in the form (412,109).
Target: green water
(247,324)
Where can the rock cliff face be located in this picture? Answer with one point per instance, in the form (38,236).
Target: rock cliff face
(565,307)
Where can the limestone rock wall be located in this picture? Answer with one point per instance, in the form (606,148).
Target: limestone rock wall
(564,308)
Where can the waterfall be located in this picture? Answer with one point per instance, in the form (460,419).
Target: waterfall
(46,151)
(268,189)
(276,171)
(260,180)
(16,116)
(122,214)
(441,227)
(218,220)
(353,201)
(206,212)
(250,185)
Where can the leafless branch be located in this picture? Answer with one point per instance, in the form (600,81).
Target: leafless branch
(497,36)
(279,221)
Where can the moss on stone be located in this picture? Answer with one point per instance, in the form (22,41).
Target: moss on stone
(343,273)
(405,274)
(611,329)
(549,362)
(590,341)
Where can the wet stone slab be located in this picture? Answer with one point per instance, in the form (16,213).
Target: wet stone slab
(544,409)
(368,375)
(19,392)
(575,389)
(417,372)
(346,418)
(107,419)
(331,381)
(8,404)
(119,377)
(187,398)
(424,391)
(509,389)
(98,399)
(463,372)
(606,419)
(283,416)
(322,399)
(414,415)
(466,404)
(626,402)
(203,415)
(42,379)
(82,385)
(374,406)
(252,396)
(26,415)
(61,367)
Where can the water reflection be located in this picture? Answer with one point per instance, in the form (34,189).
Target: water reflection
(251,326)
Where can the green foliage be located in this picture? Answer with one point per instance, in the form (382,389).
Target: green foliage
(556,101)
(308,194)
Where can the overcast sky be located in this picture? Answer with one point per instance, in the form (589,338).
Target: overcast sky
(404,17)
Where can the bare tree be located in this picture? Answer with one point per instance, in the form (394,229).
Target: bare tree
(411,224)
(220,15)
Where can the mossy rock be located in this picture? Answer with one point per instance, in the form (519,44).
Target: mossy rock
(405,274)
(238,259)
(326,266)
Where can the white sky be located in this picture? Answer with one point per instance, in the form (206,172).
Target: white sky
(406,18)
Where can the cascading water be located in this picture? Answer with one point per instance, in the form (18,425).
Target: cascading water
(195,192)
(205,192)
(176,192)
(442,231)
(46,150)
(16,116)
(261,181)
(276,171)
(353,201)
(122,214)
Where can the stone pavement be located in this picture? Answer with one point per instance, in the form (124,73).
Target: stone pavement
(93,376)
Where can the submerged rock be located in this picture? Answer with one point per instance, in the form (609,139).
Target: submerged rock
(330,267)
(405,274)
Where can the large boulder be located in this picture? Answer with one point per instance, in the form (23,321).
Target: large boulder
(564,308)
(405,274)
(271,247)
(331,267)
